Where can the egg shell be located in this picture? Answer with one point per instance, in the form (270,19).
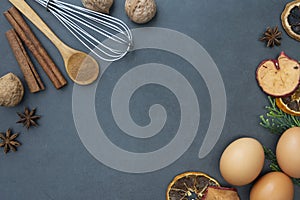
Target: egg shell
(287,150)
(242,161)
(275,186)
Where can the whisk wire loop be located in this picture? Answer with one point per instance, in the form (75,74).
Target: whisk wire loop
(87,25)
(81,32)
(47,4)
(96,28)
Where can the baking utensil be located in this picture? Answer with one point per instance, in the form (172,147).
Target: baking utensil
(81,68)
(91,27)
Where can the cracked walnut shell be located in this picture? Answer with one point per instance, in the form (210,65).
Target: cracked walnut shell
(140,11)
(102,6)
(11,90)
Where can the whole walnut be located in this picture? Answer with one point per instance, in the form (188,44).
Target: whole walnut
(140,11)
(11,90)
(102,6)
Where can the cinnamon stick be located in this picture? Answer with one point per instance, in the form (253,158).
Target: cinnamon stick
(31,76)
(27,36)
(16,14)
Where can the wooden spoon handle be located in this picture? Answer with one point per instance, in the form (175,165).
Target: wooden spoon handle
(26,10)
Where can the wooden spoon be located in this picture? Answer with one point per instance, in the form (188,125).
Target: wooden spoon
(81,68)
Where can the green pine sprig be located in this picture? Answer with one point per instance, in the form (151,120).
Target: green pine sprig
(270,155)
(277,121)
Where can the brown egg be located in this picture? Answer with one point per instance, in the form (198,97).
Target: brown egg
(242,161)
(287,151)
(273,186)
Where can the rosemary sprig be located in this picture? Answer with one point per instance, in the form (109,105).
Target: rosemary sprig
(270,155)
(277,121)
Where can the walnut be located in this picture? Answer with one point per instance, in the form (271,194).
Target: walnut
(140,11)
(11,90)
(102,6)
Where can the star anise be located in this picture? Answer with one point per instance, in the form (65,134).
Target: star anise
(8,141)
(272,36)
(28,118)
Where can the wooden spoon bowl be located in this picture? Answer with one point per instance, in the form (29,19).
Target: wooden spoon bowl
(81,67)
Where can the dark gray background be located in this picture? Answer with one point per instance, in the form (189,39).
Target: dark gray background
(52,163)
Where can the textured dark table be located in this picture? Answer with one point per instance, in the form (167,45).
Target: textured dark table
(53,163)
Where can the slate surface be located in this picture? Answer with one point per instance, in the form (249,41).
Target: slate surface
(52,163)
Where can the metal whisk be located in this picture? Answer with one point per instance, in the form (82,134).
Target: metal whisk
(90,27)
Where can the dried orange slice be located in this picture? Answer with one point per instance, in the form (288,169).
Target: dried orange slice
(190,185)
(290,104)
(280,77)
(290,19)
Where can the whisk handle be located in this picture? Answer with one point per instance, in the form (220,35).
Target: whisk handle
(26,10)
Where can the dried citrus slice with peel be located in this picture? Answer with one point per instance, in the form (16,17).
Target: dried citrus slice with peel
(290,19)
(290,104)
(190,185)
(280,77)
